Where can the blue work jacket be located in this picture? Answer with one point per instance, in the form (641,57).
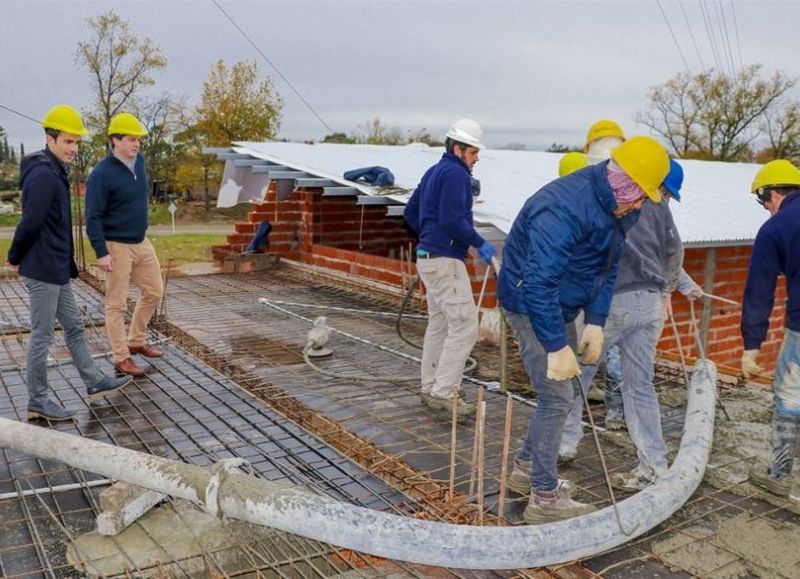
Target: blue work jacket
(440,210)
(776,251)
(562,254)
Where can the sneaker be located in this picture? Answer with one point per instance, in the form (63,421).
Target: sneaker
(595,394)
(556,505)
(760,477)
(631,481)
(107,385)
(50,411)
(463,408)
(519,481)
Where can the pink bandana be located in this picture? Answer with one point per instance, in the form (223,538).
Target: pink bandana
(625,190)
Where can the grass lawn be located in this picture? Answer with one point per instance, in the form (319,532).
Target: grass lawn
(183,248)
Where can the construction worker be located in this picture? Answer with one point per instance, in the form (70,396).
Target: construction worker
(116,223)
(649,271)
(776,251)
(44,254)
(615,412)
(561,257)
(440,212)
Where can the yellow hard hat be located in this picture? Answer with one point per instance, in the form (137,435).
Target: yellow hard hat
(64,118)
(603,128)
(776,174)
(126,124)
(571,162)
(645,161)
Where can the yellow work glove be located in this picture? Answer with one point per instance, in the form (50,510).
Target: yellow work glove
(591,343)
(562,365)
(750,363)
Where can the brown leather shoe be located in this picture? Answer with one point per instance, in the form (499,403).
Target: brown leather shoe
(146,351)
(128,366)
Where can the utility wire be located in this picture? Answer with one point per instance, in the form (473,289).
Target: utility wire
(723,25)
(709,33)
(23,115)
(694,40)
(736,30)
(272,64)
(672,33)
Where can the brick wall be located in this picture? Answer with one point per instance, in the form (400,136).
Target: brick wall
(724,338)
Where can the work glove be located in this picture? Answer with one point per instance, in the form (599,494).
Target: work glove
(562,365)
(666,304)
(750,365)
(695,293)
(487,252)
(591,343)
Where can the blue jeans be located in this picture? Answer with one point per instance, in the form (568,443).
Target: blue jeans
(50,302)
(786,411)
(634,325)
(553,399)
(613,390)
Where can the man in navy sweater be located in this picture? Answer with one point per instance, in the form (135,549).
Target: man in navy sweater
(43,252)
(116,223)
(776,251)
(440,212)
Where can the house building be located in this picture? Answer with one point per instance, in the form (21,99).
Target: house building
(321,219)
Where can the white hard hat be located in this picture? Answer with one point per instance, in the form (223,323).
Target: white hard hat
(466,131)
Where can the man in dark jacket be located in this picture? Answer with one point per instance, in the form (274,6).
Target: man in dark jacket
(42,250)
(116,223)
(776,251)
(561,257)
(440,212)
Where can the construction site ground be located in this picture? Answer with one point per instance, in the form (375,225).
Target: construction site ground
(233,383)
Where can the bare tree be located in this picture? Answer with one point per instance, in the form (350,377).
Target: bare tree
(712,115)
(162,117)
(783,133)
(120,63)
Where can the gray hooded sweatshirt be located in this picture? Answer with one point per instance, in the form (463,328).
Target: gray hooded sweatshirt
(653,254)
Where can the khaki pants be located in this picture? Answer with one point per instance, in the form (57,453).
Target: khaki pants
(452,324)
(138,263)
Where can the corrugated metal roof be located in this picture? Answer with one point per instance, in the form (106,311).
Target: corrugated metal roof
(716,207)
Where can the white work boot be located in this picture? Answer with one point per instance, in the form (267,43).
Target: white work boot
(556,505)
(595,394)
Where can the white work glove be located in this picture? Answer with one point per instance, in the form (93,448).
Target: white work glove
(591,343)
(562,365)
(750,363)
(666,304)
(695,293)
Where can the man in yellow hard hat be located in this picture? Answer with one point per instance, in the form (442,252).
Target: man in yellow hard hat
(776,251)
(44,254)
(570,163)
(116,223)
(561,257)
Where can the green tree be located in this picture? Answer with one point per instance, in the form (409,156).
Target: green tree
(120,64)
(237,104)
(713,115)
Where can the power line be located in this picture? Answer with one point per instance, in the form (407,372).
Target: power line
(710,34)
(672,33)
(277,70)
(691,34)
(736,30)
(23,115)
(723,26)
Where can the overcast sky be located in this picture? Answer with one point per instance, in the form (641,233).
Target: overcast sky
(529,72)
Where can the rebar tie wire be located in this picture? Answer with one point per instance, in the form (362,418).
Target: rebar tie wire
(577,381)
